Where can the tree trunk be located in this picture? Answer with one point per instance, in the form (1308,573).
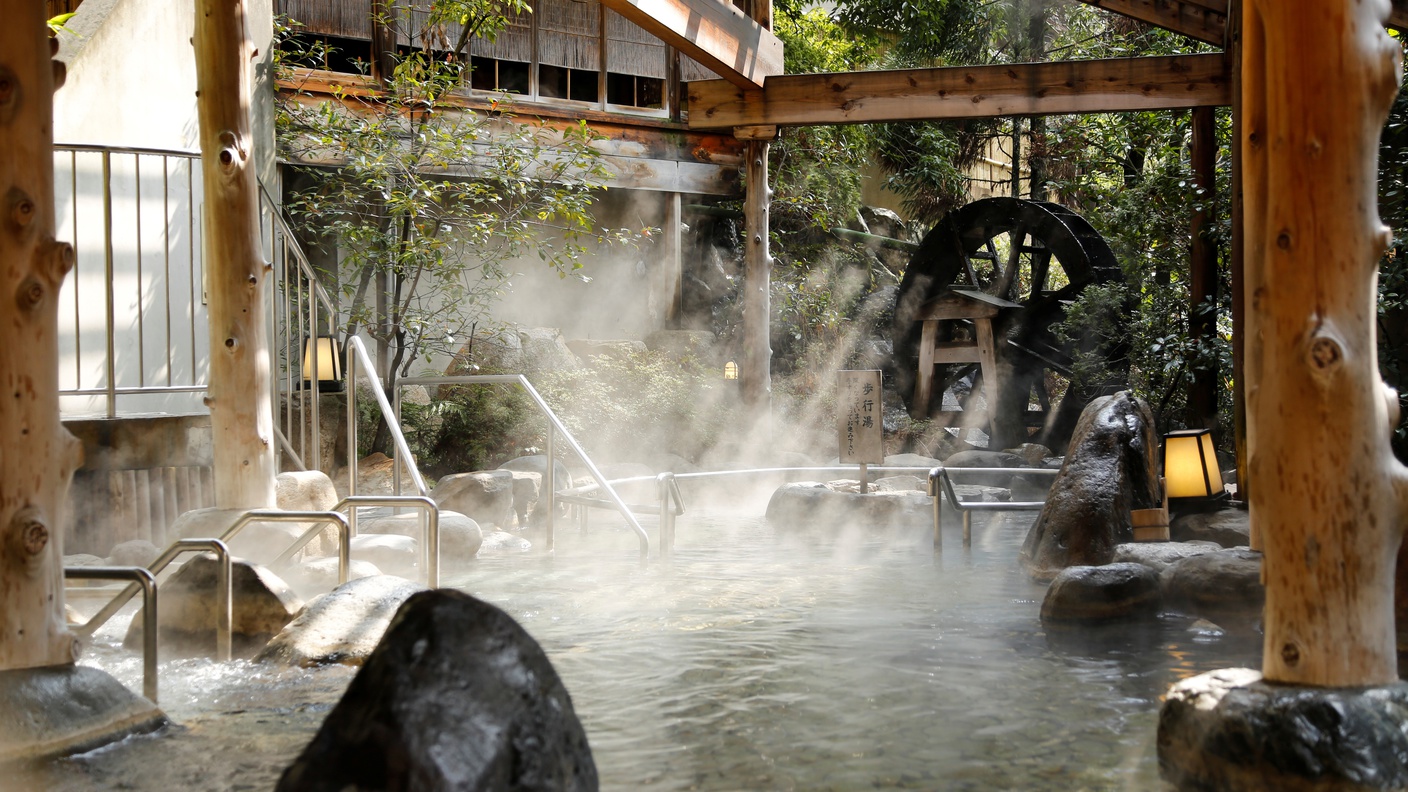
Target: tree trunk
(1318,80)
(37,455)
(241,418)
(1202,267)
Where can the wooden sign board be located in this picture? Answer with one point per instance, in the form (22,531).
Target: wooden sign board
(858,417)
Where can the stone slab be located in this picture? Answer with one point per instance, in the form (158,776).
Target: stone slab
(62,710)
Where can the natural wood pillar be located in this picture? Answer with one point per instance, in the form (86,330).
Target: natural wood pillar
(1202,285)
(1236,258)
(669,276)
(37,455)
(241,419)
(1329,502)
(756,372)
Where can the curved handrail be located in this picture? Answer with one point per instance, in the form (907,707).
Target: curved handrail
(344,532)
(147,581)
(359,357)
(430,528)
(223,593)
(555,424)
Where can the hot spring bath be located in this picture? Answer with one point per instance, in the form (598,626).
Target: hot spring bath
(758,657)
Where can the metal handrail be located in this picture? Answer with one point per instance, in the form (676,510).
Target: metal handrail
(223,593)
(147,581)
(430,527)
(940,482)
(554,423)
(319,518)
(359,357)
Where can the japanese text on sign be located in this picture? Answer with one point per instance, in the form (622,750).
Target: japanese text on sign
(859,418)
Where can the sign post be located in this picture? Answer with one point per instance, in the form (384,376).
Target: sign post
(858,421)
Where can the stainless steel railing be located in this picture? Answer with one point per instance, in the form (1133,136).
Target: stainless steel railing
(142,275)
(223,594)
(147,582)
(555,425)
(941,486)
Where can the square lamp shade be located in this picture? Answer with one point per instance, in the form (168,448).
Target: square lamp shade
(1190,465)
(329,360)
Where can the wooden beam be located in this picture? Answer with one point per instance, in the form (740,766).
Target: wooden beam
(1201,21)
(1095,86)
(1398,15)
(715,33)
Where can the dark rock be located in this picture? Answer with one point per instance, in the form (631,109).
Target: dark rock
(1109,470)
(457,696)
(983,459)
(1228,730)
(485,497)
(1101,593)
(526,489)
(186,612)
(1032,454)
(1227,527)
(342,626)
(1220,583)
(1159,556)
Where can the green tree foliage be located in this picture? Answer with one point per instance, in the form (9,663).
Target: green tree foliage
(435,203)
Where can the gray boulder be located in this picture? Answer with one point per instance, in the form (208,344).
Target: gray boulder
(390,553)
(342,626)
(545,350)
(839,504)
(1159,556)
(1109,470)
(1227,527)
(309,490)
(320,575)
(1032,454)
(186,615)
(460,537)
(457,696)
(485,497)
(900,484)
(134,552)
(538,463)
(1088,594)
(1219,584)
(504,542)
(526,489)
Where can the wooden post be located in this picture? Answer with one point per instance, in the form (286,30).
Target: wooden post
(241,419)
(1235,260)
(1202,285)
(37,455)
(1318,80)
(756,371)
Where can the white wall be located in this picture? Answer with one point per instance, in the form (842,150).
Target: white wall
(131,82)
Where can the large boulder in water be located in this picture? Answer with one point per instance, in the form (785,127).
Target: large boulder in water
(342,626)
(1092,594)
(485,497)
(1109,470)
(262,604)
(457,696)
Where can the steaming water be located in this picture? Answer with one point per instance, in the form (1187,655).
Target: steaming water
(758,658)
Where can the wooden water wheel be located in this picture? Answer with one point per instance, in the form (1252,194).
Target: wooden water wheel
(1033,258)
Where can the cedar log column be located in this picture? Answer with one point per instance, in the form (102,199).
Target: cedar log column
(756,371)
(37,455)
(241,418)
(1329,498)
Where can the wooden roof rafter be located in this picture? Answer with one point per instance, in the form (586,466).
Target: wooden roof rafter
(713,32)
(1051,88)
